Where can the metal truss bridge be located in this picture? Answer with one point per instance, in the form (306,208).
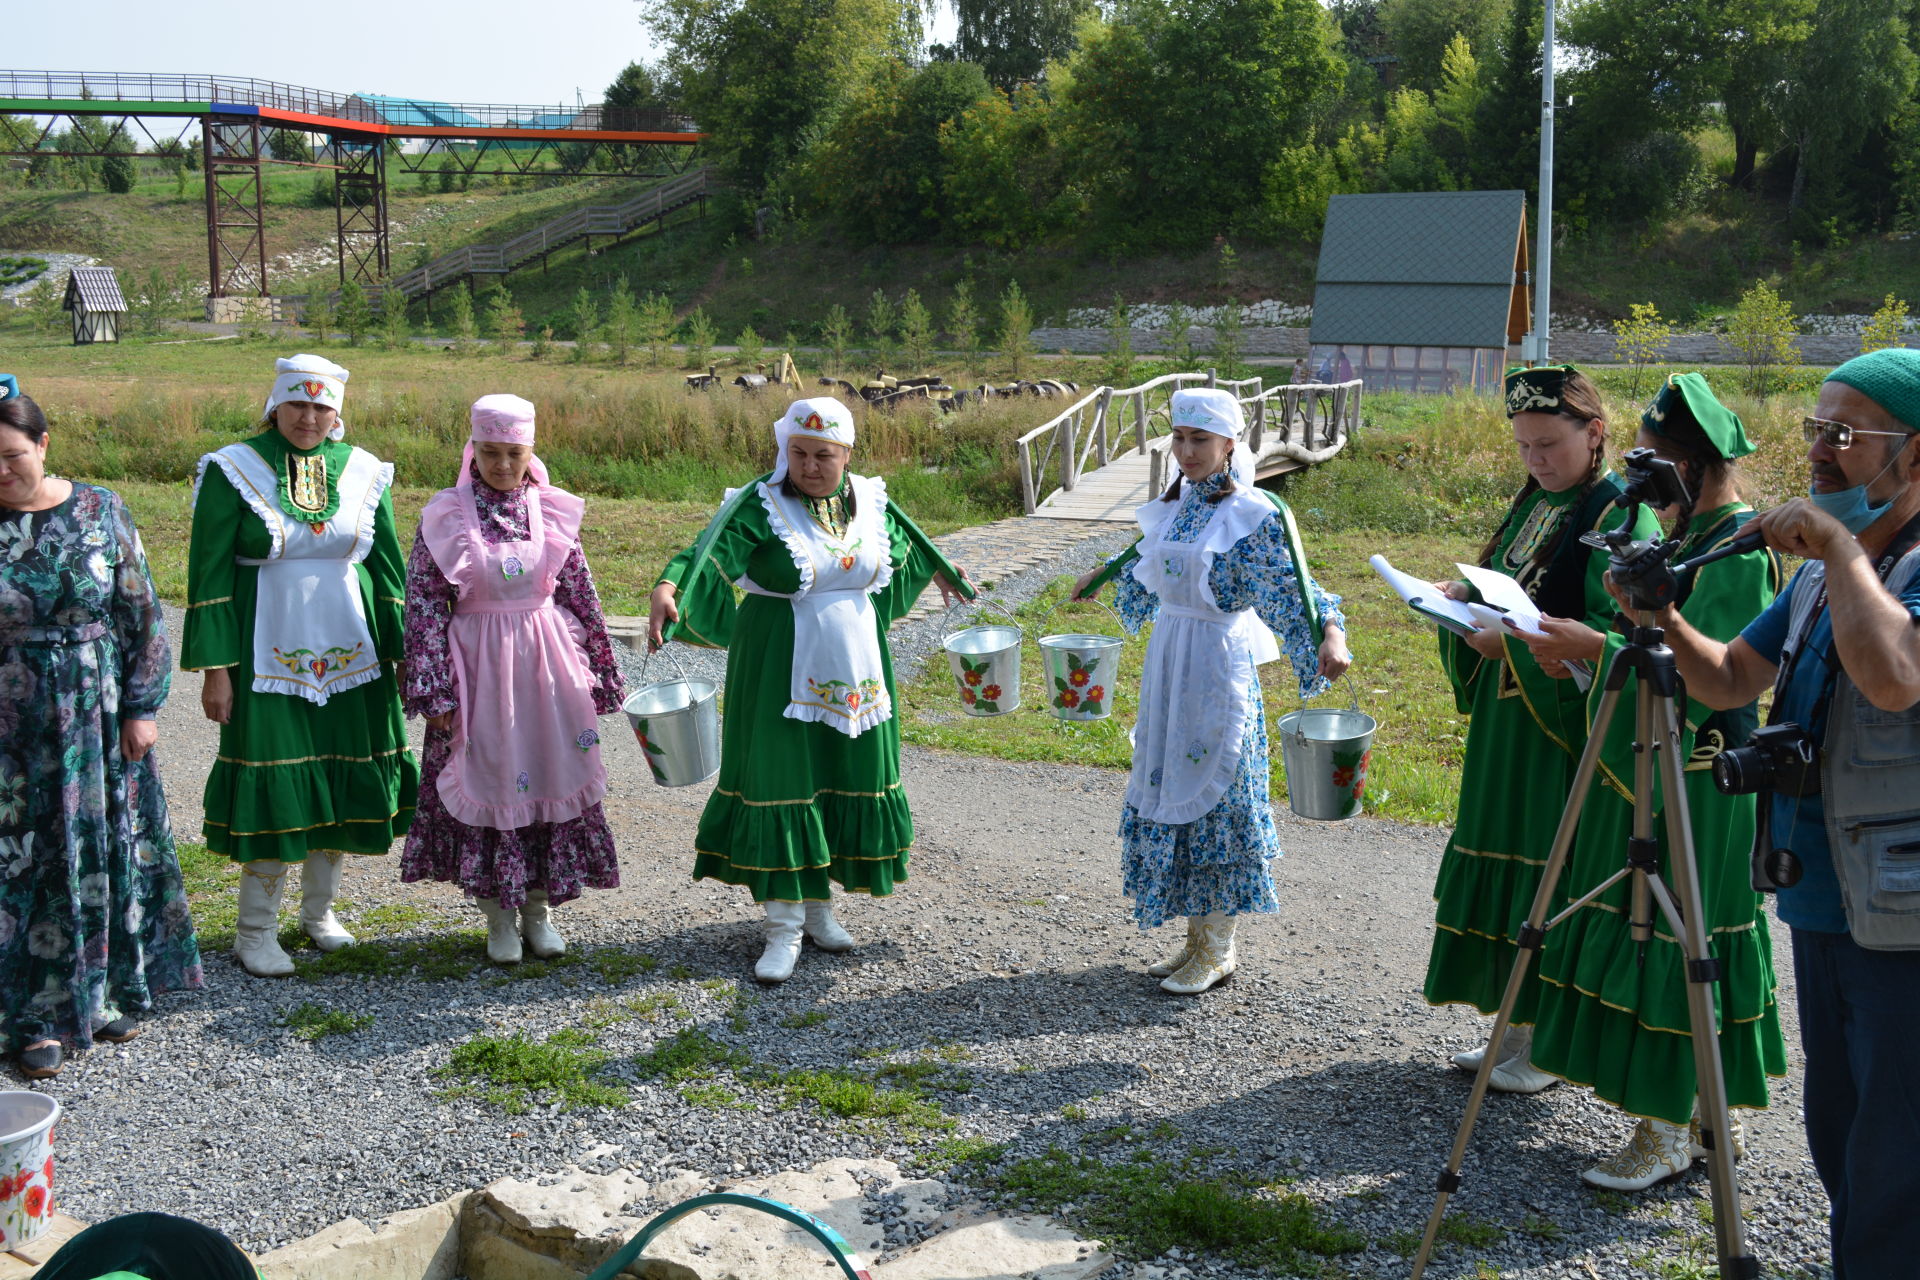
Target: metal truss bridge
(235,116)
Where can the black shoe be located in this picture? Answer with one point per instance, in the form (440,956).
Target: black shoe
(41,1061)
(119,1031)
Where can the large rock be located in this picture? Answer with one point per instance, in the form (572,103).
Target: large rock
(418,1244)
(999,1247)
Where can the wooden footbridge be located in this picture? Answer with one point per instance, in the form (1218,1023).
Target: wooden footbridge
(1108,451)
(364,133)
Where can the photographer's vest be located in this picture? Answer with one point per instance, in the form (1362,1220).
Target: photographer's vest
(1870,781)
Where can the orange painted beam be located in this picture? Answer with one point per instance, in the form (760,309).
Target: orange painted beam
(336,124)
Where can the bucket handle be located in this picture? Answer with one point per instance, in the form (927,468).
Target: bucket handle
(1048,615)
(679,669)
(1353,703)
(981,601)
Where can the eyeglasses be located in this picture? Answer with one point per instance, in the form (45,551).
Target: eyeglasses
(1839,435)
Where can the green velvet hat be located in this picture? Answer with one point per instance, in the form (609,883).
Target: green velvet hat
(1686,396)
(1537,390)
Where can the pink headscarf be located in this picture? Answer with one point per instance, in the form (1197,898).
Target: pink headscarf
(504,419)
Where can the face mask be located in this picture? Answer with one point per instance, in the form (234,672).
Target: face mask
(1850,506)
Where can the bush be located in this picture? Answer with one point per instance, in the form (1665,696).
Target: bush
(1640,339)
(1886,326)
(356,317)
(916,333)
(1016,329)
(1760,332)
(700,339)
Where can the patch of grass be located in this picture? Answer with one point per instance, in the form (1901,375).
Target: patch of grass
(311,1022)
(514,1072)
(717,986)
(390,918)
(439,957)
(1541,1228)
(962,1149)
(850,1096)
(1612,1202)
(1074,1112)
(1144,1207)
(811,1018)
(711,1096)
(614,966)
(648,1006)
(1474,1233)
(680,972)
(692,1054)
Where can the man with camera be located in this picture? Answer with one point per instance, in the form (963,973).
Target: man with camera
(1838,769)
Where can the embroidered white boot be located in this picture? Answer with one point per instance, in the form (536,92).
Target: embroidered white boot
(319,886)
(537,929)
(1695,1147)
(1469,1059)
(1212,962)
(825,930)
(1516,1072)
(1167,967)
(503,931)
(256,937)
(1656,1151)
(784,922)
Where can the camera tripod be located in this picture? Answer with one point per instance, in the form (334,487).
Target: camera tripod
(1656,749)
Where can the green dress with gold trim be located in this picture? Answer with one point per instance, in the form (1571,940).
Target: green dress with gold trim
(293,777)
(798,806)
(1608,1016)
(1525,732)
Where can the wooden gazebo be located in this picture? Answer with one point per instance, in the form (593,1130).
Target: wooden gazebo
(93,296)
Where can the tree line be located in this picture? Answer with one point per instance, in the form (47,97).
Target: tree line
(1135,125)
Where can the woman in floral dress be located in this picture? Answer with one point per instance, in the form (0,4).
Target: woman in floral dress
(509,660)
(1214,563)
(93,915)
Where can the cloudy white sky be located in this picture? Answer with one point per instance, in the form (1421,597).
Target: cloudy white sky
(510,51)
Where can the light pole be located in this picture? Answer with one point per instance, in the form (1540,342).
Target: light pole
(1535,349)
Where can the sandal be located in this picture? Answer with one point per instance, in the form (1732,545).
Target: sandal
(40,1060)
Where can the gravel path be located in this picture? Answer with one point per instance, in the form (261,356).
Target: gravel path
(1011,951)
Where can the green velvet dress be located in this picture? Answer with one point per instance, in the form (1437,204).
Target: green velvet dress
(798,806)
(1609,1017)
(1525,732)
(292,777)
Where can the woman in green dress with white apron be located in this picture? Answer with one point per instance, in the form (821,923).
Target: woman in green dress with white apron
(809,793)
(295,584)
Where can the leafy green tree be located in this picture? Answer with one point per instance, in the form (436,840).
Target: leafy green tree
(1847,81)
(321,318)
(1016,329)
(1012,41)
(117,173)
(1760,332)
(1228,341)
(963,324)
(881,318)
(656,327)
(543,342)
(1180,336)
(393,320)
(639,88)
(585,317)
(751,347)
(622,321)
(1640,338)
(1419,32)
(291,145)
(700,338)
(916,333)
(460,322)
(1118,371)
(1506,126)
(355,316)
(1006,177)
(1886,326)
(836,332)
(449,173)
(505,324)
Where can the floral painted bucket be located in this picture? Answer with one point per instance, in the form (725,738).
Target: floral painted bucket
(1083,671)
(26,1165)
(986,665)
(678,724)
(1327,752)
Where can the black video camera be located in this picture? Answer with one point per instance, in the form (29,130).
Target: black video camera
(1640,565)
(1781,758)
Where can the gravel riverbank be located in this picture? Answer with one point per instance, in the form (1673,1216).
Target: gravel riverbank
(1009,959)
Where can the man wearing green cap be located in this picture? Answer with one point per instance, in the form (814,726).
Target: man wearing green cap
(1841,650)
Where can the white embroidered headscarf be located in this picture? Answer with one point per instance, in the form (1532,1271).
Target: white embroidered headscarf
(1217,412)
(313,380)
(501,419)
(821,418)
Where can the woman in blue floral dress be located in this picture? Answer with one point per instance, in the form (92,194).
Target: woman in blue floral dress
(1214,565)
(93,915)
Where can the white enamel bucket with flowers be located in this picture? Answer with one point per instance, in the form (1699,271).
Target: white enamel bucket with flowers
(1327,752)
(1083,670)
(678,724)
(26,1165)
(985,659)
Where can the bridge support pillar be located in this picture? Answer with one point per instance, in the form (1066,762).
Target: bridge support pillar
(236,238)
(360,209)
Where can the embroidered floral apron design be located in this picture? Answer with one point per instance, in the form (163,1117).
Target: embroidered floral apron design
(838,678)
(310,635)
(526,741)
(1193,691)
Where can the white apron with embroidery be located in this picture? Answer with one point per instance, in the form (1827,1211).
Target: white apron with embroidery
(1200,663)
(310,634)
(838,678)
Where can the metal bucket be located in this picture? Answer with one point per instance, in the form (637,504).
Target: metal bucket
(1084,671)
(986,664)
(1327,752)
(678,724)
(26,1165)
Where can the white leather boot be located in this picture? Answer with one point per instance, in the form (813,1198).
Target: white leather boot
(537,929)
(503,931)
(319,886)
(1469,1059)
(825,930)
(256,936)
(1213,960)
(785,920)
(1516,1072)
(1656,1151)
(1171,965)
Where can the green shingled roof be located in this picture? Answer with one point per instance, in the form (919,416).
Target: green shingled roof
(1426,268)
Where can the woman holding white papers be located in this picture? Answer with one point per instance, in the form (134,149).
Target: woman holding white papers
(1611,1013)
(1528,721)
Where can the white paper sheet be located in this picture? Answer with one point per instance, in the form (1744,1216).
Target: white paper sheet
(1424,598)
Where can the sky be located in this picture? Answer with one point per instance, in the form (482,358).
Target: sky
(505,51)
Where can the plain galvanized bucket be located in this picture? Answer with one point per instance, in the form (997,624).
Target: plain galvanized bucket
(678,724)
(986,664)
(26,1165)
(1327,752)
(1083,670)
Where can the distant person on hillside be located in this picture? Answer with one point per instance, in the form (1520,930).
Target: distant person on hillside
(809,794)
(294,593)
(1215,565)
(93,914)
(509,661)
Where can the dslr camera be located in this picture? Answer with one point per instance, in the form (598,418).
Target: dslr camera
(1781,758)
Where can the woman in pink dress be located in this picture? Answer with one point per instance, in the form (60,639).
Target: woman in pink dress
(509,661)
